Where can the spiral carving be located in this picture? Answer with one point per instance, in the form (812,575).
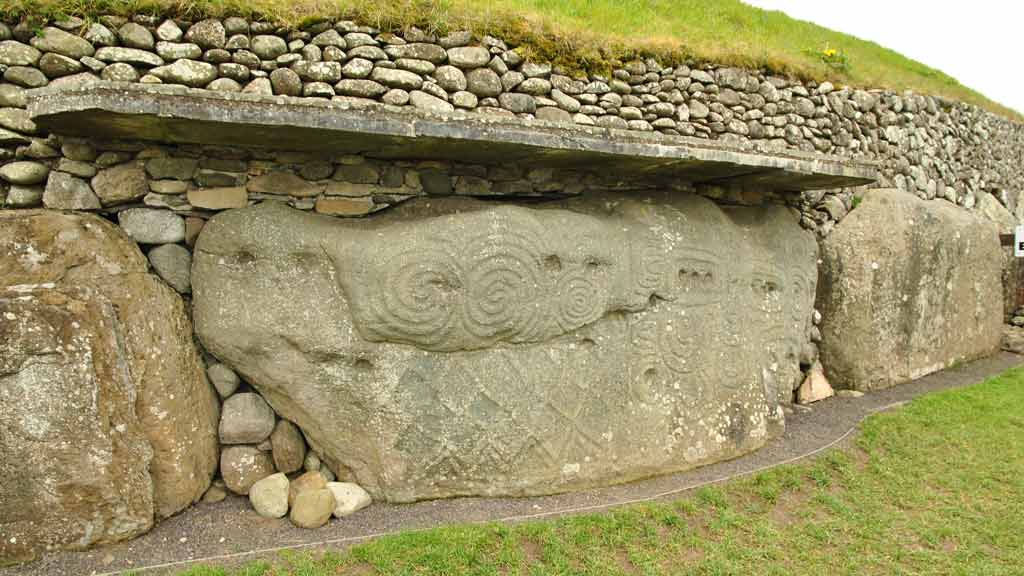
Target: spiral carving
(678,346)
(505,284)
(420,293)
(581,299)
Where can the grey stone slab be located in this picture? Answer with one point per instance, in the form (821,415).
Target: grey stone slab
(176,114)
(454,347)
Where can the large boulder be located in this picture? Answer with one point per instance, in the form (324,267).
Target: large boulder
(454,347)
(907,287)
(74,458)
(174,407)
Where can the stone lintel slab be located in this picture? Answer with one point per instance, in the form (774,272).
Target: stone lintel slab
(176,114)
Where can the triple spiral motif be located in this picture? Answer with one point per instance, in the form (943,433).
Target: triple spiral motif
(500,287)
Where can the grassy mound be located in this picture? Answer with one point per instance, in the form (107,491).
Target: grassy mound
(593,34)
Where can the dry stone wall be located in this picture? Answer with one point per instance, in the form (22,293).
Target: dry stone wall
(931,147)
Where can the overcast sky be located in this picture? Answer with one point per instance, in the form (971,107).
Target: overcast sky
(980,43)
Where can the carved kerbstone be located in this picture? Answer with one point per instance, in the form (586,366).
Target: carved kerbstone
(452,347)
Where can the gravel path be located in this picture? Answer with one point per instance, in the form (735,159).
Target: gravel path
(230,532)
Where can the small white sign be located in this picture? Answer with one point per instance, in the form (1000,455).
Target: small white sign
(1018,241)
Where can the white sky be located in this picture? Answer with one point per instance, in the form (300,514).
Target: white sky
(980,43)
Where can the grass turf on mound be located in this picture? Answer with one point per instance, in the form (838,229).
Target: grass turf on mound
(936,487)
(592,34)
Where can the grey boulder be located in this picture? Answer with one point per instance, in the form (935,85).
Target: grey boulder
(245,419)
(452,347)
(908,287)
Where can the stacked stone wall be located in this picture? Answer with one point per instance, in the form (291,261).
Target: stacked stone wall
(934,148)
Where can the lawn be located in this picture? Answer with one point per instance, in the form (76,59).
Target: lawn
(935,487)
(593,34)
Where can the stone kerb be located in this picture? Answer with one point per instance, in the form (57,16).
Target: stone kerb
(717,333)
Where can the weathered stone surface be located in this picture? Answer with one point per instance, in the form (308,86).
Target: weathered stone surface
(172,168)
(483,82)
(909,287)
(419,51)
(815,386)
(286,82)
(520,103)
(135,35)
(74,81)
(17,120)
(177,406)
(171,401)
(288,446)
(188,72)
(152,226)
(129,55)
(268,47)
(357,68)
(193,226)
(219,198)
(224,379)
(174,50)
(349,498)
(65,192)
(269,496)
(360,88)
(608,339)
(312,508)
(216,493)
(450,78)
(55,65)
(284,183)
(120,184)
(24,172)
(991,209)
(100,35)
(8,138)
(25,76)
(120,72)
(173,263)
(552,114)
(38,246)
(207,34)
(395,78)
(11,95)
(65,395)
(469,56)
(312,480)
(24,196)
(245,419)
(428,102)
(169,31)
(14,53)
(1013,339)
(345,206)
(319,71)
(243,466)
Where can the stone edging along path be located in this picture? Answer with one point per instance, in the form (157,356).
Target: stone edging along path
(230,532)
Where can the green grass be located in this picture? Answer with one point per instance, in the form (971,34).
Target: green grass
(936,487)
(594,34)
